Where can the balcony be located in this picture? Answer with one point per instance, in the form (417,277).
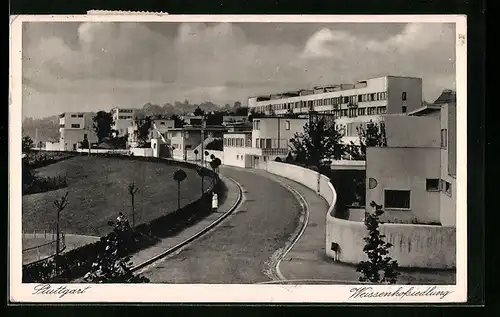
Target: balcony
(271,152)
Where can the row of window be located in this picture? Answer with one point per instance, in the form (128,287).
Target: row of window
(335,101)
(73,126)
(124,117)
(80,115)
(256,125)
(234,142)
(126,110)
(240,157)
(271,143)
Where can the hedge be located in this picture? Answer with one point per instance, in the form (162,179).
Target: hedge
(77,262)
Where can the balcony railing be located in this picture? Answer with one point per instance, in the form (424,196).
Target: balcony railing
(282,151)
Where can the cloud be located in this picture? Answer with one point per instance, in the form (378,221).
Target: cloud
(100,65)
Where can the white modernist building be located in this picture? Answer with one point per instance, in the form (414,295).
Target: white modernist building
(122,120)
(351,105)
(268,138)
(74,127)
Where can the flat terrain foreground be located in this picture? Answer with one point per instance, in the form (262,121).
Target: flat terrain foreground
(238,249)
(98,190)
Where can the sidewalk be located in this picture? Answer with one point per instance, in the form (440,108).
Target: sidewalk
(307,259)
(167,243)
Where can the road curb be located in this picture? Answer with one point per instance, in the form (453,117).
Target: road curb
(196,235)
(305,207)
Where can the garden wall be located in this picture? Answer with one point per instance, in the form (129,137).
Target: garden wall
(419,246)
(77,262)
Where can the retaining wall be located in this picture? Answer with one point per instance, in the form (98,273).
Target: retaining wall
(418,246)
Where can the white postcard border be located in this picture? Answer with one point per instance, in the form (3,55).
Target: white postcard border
(159,293)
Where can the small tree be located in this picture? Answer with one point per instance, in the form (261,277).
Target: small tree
(60,206)
(202,172)
(132,190)
(214,164)
(27,144)
(178,121)
(196,154)
(103,122)
(143,128)
(377,251)
(198,111)
(179,176)
(84,144)
(112,265)
(372,135)
(319,141)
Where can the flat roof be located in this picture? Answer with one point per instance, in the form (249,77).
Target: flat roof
(328,86)
(238,132)
(198,128)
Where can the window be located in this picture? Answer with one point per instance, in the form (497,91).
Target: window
(361,111)
(447,189)
(403,96)
(80,116)
(162,123)
(381,110)
(256,125)
(346,100)
(268,144)
(397,199)
(360,98)
(237,156)
(73,116)
(75,126)
(444,138)
(403,109)
(85,136)
(287,125)
(432,184)
(257,143)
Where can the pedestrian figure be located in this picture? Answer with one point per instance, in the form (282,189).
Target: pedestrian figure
(215,202)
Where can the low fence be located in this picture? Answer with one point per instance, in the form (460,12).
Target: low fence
(417,246)
(77,262)
(103,151)
(43,250)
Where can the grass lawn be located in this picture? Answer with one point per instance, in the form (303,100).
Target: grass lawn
(98,190)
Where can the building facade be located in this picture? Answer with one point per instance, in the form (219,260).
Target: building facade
(122,120)
(268,139)
(74,127)
(187,139)
(413,177)
(350,104)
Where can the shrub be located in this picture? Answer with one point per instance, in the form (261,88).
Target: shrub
(377,251)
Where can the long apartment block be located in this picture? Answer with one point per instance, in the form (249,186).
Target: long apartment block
(350,104)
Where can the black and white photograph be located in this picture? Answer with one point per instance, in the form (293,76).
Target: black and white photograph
(239,158)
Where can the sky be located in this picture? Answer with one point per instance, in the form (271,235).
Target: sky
(91,66)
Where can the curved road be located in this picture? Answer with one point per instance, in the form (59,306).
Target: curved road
(237,251)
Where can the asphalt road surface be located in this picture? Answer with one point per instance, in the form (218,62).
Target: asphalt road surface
(237,250)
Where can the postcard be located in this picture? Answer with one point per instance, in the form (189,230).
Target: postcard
(160,158)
